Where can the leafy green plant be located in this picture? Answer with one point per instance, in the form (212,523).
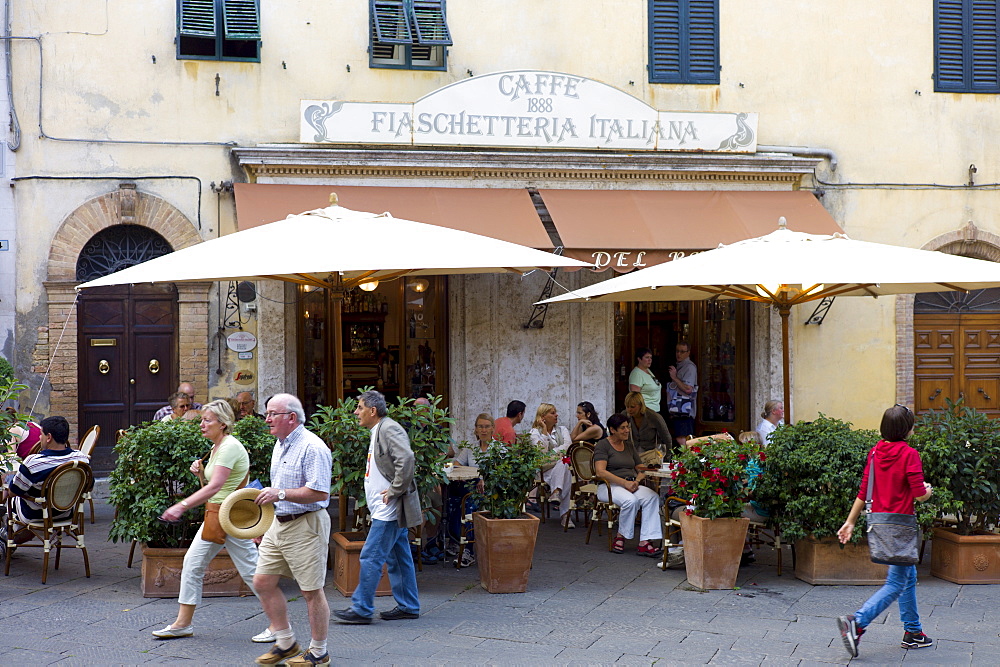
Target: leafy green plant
(10,388)
(153,471)
(812,475)
(427,426)
(508,474)
(713,476)
(6,373)
(960,450)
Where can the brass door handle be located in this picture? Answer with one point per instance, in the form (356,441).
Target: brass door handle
(154,366)
(934,395)
(103,367)
(131,381)
(985,395)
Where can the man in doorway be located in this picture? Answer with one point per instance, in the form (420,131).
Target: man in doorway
(684,381)
(394,502)
(183,388)
(247,406)
(297,543)
(32,473)
(503,428)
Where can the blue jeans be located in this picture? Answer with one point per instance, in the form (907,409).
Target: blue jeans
(386,543)
(901,584)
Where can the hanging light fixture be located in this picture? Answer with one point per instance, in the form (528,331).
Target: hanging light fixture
(418,285)
(369,286)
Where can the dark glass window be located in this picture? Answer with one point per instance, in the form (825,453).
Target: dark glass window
(408,34)
(218,30)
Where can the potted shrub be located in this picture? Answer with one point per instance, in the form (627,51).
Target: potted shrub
(960,448)
(152,470)
(428,428)
(10,388)
(505,535)
(713,475)
(811,476)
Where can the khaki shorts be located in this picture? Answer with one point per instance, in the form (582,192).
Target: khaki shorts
(297,549)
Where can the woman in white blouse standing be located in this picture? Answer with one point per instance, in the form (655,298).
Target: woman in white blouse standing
(546,433)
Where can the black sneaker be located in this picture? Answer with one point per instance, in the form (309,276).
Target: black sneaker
(351,617)
(849,633)
(916,640)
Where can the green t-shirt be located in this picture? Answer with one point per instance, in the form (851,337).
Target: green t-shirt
(649,387)
(233,455)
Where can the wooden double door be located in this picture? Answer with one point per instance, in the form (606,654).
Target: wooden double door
(127,345)
(957,355)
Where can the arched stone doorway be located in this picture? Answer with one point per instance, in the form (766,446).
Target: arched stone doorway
(125,206)
(948,344)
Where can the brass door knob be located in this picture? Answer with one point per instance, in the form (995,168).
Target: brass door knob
(154,366)
(132,381)
(103,367)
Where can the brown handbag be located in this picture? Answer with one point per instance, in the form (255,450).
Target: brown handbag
(211,529)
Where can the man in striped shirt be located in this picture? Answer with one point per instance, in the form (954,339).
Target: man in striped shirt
(27,483)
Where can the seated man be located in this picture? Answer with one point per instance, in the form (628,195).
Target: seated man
(247,406)
(27,483)
(182,388)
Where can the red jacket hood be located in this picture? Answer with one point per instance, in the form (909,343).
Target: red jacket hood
(887,454)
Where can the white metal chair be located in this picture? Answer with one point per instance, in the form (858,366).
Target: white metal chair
(87,447)
(61,493)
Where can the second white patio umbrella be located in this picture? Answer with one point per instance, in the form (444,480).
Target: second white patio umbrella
(786,268)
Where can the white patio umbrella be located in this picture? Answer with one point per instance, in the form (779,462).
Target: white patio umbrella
(786,268)
(337,249)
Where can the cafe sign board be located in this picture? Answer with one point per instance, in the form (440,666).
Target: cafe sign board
(527,109)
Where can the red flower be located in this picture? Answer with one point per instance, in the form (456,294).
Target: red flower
(742,457)
(688,511)
(762,457)
(682,484)
(693,496)
(719,492)
(696,450)
(566,460)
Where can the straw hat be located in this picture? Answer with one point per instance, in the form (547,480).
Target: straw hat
(241,517)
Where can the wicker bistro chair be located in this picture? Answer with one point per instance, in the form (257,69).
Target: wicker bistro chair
(542,493)
(62,491)
(581,456)
(87,447)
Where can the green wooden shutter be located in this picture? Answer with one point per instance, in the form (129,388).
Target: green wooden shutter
(984,54)
(703,41)
(196,18)
(949,45)
(683,41)
(966,39)
(241,19)
(664,41)
(390,22)
(430,23)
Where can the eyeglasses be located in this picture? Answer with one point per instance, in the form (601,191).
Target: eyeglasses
(269,414)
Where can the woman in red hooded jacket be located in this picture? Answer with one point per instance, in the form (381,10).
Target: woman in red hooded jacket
(899,480)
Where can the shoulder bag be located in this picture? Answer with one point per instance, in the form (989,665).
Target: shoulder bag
(893,539)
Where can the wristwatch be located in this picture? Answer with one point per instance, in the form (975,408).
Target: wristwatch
(281,494)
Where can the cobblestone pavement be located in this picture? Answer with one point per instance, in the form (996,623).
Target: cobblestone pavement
(584,605)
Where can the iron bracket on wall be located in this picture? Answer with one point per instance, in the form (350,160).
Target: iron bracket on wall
(537,318)
(821,310)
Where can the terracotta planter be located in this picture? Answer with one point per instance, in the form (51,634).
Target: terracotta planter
(712,549)
(965,559)
(823,562)
(161,574)
(346,548)
(504,550)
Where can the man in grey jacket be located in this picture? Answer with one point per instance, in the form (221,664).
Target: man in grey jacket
(394,504)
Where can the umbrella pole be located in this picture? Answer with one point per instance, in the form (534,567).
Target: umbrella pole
(336,309)
(784,311)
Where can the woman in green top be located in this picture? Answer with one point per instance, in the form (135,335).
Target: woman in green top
(642,380)
(226,470)
(616,462)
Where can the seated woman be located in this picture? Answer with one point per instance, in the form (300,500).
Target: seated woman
(458,504)
(179,404)
(588,426)
(616,461)
(770,418)
(552,438)
(648,430)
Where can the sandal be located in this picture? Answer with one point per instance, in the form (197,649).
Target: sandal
(618,546)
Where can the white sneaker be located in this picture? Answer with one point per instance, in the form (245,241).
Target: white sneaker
(468,558)
(173,633)
(265,637)
(570,524)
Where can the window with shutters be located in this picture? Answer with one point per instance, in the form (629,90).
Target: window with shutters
(218,30)
(683,41)
(408,34)
(965,46)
